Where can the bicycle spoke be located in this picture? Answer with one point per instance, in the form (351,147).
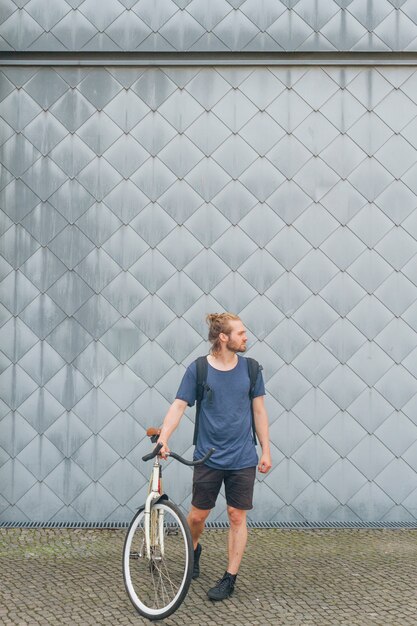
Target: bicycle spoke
(160,592)
(163,575)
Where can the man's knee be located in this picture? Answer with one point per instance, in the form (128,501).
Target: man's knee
(198,516)
(237,517)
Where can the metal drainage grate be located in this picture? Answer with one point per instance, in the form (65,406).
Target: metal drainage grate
(221,525)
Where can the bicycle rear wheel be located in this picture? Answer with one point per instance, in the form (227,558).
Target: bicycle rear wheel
(158,586)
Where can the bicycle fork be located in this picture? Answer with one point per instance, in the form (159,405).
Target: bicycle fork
(154,532)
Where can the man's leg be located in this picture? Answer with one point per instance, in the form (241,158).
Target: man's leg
(239,496)
(196,519)
(238,535)
(206,486)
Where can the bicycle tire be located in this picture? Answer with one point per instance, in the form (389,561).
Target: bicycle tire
(157,588)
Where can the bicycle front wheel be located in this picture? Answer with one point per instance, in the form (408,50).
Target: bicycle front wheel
(157,586)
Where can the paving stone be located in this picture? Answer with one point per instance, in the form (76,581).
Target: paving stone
(288,577)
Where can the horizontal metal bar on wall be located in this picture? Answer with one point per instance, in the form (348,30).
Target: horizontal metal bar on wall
(224,525)
(208,58)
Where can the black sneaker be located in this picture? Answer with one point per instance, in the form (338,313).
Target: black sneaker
(223,588)
(196,568)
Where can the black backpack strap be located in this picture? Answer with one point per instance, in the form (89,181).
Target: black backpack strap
(202,368)
(253,370)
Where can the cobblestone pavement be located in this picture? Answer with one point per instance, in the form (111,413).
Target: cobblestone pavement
(288,577)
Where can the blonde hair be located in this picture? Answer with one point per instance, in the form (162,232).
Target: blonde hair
(219,323)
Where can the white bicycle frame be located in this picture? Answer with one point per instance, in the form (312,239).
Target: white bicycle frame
(154,494)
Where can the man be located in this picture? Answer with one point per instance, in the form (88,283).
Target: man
(228,409)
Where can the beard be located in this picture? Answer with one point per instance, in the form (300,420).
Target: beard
(235,346)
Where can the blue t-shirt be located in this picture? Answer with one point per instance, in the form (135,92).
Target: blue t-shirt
(225,421)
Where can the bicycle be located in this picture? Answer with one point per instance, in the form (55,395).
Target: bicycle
(158,554)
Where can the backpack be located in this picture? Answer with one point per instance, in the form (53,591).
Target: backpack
(202,368)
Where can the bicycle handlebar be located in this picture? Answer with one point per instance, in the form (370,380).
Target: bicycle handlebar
(177,457)
(192,463)
(152,454)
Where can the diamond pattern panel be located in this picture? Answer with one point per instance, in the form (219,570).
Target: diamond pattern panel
(226,26)
(136,201)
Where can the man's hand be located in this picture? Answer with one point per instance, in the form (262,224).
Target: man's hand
(265,463)
(164,451)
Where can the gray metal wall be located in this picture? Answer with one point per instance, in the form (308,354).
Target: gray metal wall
(137,200)
(208,25)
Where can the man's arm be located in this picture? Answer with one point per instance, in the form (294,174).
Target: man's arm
(262,432)
(171,421)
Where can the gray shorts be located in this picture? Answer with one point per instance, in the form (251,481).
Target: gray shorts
(238,485)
